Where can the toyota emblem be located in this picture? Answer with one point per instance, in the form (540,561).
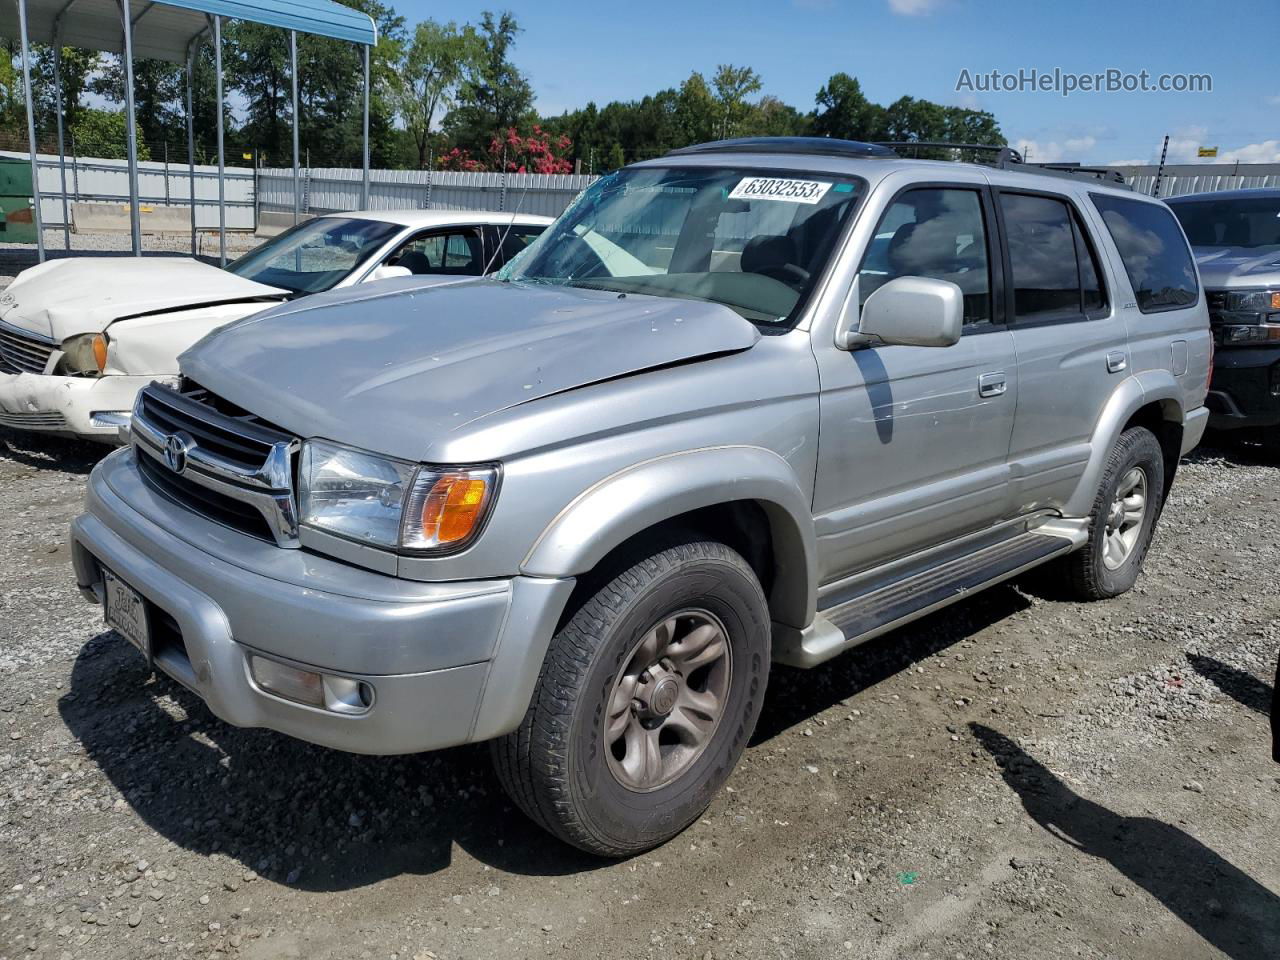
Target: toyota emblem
(176,449)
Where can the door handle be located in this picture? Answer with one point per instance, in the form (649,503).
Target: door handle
(1117,362)
(992,384)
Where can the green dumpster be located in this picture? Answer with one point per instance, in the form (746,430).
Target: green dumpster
(17,214)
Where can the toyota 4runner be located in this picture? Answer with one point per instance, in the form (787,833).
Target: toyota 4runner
(755,401)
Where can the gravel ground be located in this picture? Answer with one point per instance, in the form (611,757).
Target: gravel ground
(1016,777)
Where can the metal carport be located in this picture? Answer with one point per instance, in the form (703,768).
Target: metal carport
(173,30)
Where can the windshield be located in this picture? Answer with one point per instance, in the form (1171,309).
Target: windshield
(753,240)
(315,255)
(1248,222)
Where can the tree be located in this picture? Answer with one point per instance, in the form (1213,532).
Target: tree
(844,112)
(256,59)
(429,75)
(76,69)
(732,85)
(100,133)
(158,93)
(494,94)
(696,111)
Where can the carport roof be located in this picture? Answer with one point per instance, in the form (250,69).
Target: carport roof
(163,31)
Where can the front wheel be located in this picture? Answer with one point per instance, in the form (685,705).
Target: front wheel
(1123,518)
(646,700)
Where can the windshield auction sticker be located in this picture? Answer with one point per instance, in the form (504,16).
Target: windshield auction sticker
(775,188)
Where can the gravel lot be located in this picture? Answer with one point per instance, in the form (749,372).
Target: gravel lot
(1017,777)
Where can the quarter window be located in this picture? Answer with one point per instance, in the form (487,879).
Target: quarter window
(933,232)
(1154,251)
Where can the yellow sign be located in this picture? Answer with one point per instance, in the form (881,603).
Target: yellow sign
(1207,152)
(247,156)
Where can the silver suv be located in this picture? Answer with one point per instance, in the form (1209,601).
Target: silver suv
(755,401)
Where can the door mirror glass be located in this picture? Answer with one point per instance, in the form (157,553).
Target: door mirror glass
(908,311)
(386,272)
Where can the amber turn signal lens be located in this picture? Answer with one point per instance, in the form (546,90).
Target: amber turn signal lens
(100,351)
(454,507)
(1275,301)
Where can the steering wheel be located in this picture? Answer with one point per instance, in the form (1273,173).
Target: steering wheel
(787,273)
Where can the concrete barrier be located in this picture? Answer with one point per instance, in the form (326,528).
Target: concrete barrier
(114,218)
(270,223)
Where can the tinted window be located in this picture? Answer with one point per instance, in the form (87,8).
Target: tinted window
(1154,252)
(457,252)
(1251,222)
(1090,286)
(1042,257)
(515,239)
(932,232)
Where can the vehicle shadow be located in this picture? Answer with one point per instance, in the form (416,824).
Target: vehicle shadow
(50,452)
(796,695)
(1242,687)
(1208,893)
(308,817)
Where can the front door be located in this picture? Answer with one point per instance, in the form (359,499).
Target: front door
(914,441)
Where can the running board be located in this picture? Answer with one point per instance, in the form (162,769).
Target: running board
(863,618)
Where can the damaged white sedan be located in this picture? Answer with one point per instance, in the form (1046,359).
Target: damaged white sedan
(80,336)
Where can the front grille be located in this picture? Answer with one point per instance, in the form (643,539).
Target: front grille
(226,510)
(22,352)
(217,460)
(33,421)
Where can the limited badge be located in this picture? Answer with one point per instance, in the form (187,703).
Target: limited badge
(779,188)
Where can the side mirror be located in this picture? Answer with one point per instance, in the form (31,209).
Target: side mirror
(908,311)
(386,272)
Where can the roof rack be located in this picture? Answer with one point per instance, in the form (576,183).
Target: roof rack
(824,146)
(1006,158)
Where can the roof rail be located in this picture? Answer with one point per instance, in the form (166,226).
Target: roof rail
(824,146)
(1003,155)
(1006,158)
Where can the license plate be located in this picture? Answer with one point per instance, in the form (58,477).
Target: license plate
(126,612)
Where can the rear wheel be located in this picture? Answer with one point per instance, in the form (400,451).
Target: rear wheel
(646,700)
(1123,518)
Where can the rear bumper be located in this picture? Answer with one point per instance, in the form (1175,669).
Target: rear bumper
(1245,392)
(447,663)
(66,406)
(1194,425)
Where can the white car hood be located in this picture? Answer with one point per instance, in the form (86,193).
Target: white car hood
(62,298)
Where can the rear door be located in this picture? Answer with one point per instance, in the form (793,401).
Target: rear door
(1070,342)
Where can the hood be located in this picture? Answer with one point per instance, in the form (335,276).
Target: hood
(395,371)
(1224,267)
(61,298)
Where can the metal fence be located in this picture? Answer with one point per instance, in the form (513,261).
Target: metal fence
(332,189)
(107,181)
(1180,178)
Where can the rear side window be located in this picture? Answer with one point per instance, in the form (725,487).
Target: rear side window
(1054,271)
(1154,251)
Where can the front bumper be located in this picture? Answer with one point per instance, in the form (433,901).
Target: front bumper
(447,662)
(1245,391)
(66,406)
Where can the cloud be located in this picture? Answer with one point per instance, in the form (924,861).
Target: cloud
(1274,99)
(914,8)
(1186,142)
(1054,151)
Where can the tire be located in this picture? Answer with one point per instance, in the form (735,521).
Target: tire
(1099,570)
(562,765)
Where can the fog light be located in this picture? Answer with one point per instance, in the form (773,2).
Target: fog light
(327,692)
(288,682)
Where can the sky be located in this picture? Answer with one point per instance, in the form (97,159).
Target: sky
(577,52)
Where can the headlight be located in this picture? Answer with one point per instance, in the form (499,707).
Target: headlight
(85,354)
(1259,301)
(390,503)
